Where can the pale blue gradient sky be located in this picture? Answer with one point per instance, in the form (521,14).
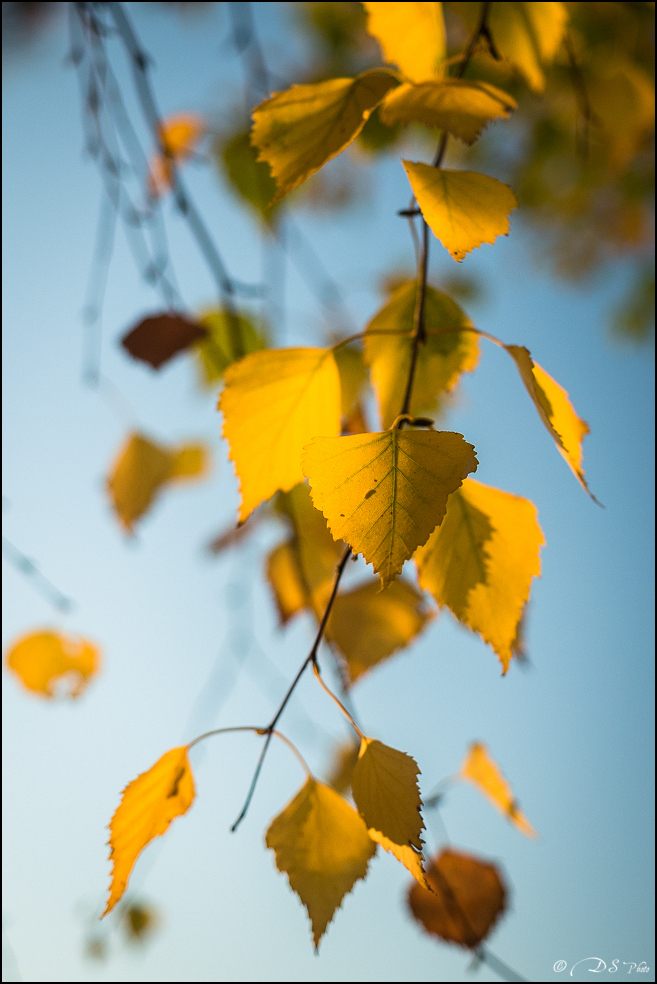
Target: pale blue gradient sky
(573,733)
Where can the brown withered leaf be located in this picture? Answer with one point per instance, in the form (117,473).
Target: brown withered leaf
(158,338)
(469,896)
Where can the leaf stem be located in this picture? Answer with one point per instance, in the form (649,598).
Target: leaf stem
(258,731)
(344,710)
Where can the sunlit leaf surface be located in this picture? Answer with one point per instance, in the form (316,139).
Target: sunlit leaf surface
(45,660)
(458,106)
(411,35)
(480,769)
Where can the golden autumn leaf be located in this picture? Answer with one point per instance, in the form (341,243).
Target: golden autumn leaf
(528,35)
(343,763)
(385,790)
(463,208)
(148,805)
(481,560)
(411,35)
(302,572)
(142,467)
(158,338)
(353,377)
(368,625)
(179,134)
(299,130)
(385,493)
(321,844)
(228,339)
(45,659)
(441,359)
(274,403)
(485,774)
(468,898)
(461,107)
(555,410)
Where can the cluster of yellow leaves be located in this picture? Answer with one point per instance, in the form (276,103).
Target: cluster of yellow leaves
(45,660)
(143,467)
(179,136)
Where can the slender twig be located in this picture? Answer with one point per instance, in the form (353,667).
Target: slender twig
(140,67)
(505,972)
(40,583)
(258,731)
(310,658)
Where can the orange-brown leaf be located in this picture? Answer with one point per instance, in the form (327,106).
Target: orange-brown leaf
(44,659)
(468,898)
(148,805)
(179,135)
(158,338)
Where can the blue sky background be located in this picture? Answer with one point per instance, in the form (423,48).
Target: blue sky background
(573,732)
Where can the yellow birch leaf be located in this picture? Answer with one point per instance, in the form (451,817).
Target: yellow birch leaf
(368,625)
(411,35)
(188,461)
(44,659)
(321,844)
(315,554)
(481,560)
(142,467)
(468,898)
(385,790)
(228,339)
(458,106)
(299,130)
(283,576)
(353,377)
(555,410)
(485,774)
(274,403)
(441,359)
(148,805)
(528,35)
(463,208)
(385,493)
(343,763)
(179,134)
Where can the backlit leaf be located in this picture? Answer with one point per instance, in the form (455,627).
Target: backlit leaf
(158,338)
(322,845)
(44,660)
(343,763)
(299,130)
(468,898)
(555,410)
(274,403)
(249,177)
(353,377)
(411,35)
(142,467)
(305,572)
(228,339)
(148,805)
(485,774)
(385,493)
(283,576)
(528,35)
(481,560)
(459,106)
(179,134)
(463,208)
(368,625)
(385,790)
(441,359)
